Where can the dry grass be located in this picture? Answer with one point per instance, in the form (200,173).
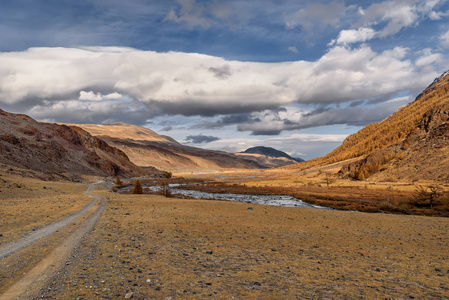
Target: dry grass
(15,266)
(26,203)
(158,248)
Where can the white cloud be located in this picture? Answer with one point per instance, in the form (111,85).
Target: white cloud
(350,36)
(91,96)
(187,83)
(293,49)
(444,39)
(395,15)
(428,58)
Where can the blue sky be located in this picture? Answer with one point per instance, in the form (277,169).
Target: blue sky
(295,75)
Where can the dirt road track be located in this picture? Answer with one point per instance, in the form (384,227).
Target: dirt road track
(33,236)
(36,278)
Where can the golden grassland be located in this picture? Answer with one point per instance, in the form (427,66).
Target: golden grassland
(27,203)
(152,247)
(13,267)
(322,186)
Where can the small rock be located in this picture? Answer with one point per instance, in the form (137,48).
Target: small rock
(1,235)
(148,280)
(438,269)
(129,295)
(257,283)
(250,208)
(377,270)
(209,252)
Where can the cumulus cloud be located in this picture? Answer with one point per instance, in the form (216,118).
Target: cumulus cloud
(94,111)
(362,34)
(393,15)
(91,96)
(428,58)
(200,139)
(194,84)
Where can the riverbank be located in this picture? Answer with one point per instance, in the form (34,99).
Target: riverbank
(152,247)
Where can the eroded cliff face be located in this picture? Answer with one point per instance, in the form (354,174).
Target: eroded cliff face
(53,148)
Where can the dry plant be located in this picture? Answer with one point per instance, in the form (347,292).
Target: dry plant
(164,188)
(137,187)
(329,179)
(427,195)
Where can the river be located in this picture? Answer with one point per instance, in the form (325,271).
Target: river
(276,200)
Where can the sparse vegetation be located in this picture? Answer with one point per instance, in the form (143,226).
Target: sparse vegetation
(118,182)
(427,196)
(164,188)
(137,189)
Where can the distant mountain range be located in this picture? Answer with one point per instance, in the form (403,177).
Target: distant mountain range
(270,152)
(145,148)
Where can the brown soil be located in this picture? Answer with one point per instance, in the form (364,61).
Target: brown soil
(151,247)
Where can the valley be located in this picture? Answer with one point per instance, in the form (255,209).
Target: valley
(385,236)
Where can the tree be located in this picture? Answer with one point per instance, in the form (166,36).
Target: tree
(118,182)
(137,187)
(329,179)
(165,189)
(428,194)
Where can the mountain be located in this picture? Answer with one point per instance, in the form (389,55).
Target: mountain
(146,148)
(411,144)
(55,149)
(271,152)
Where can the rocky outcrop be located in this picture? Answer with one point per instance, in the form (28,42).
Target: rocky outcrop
(54,148)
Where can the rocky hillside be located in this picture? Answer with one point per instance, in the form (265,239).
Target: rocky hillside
(56,149)
(390,131)
(146,148)
(412,144)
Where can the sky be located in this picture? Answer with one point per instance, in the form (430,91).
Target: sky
(298,76)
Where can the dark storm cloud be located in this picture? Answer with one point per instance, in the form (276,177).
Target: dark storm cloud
(221,72)
(200,139)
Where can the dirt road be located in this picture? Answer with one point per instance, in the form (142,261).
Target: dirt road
(37,277)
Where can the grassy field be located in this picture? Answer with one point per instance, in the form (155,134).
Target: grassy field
(151,247)
(321,186)
(27,203)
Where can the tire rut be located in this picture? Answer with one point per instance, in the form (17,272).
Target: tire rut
(33,236)
(29,285)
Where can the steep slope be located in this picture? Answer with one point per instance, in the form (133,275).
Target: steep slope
(271,152)
(389,132)
(422,155)
(144,147)
(53,149)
